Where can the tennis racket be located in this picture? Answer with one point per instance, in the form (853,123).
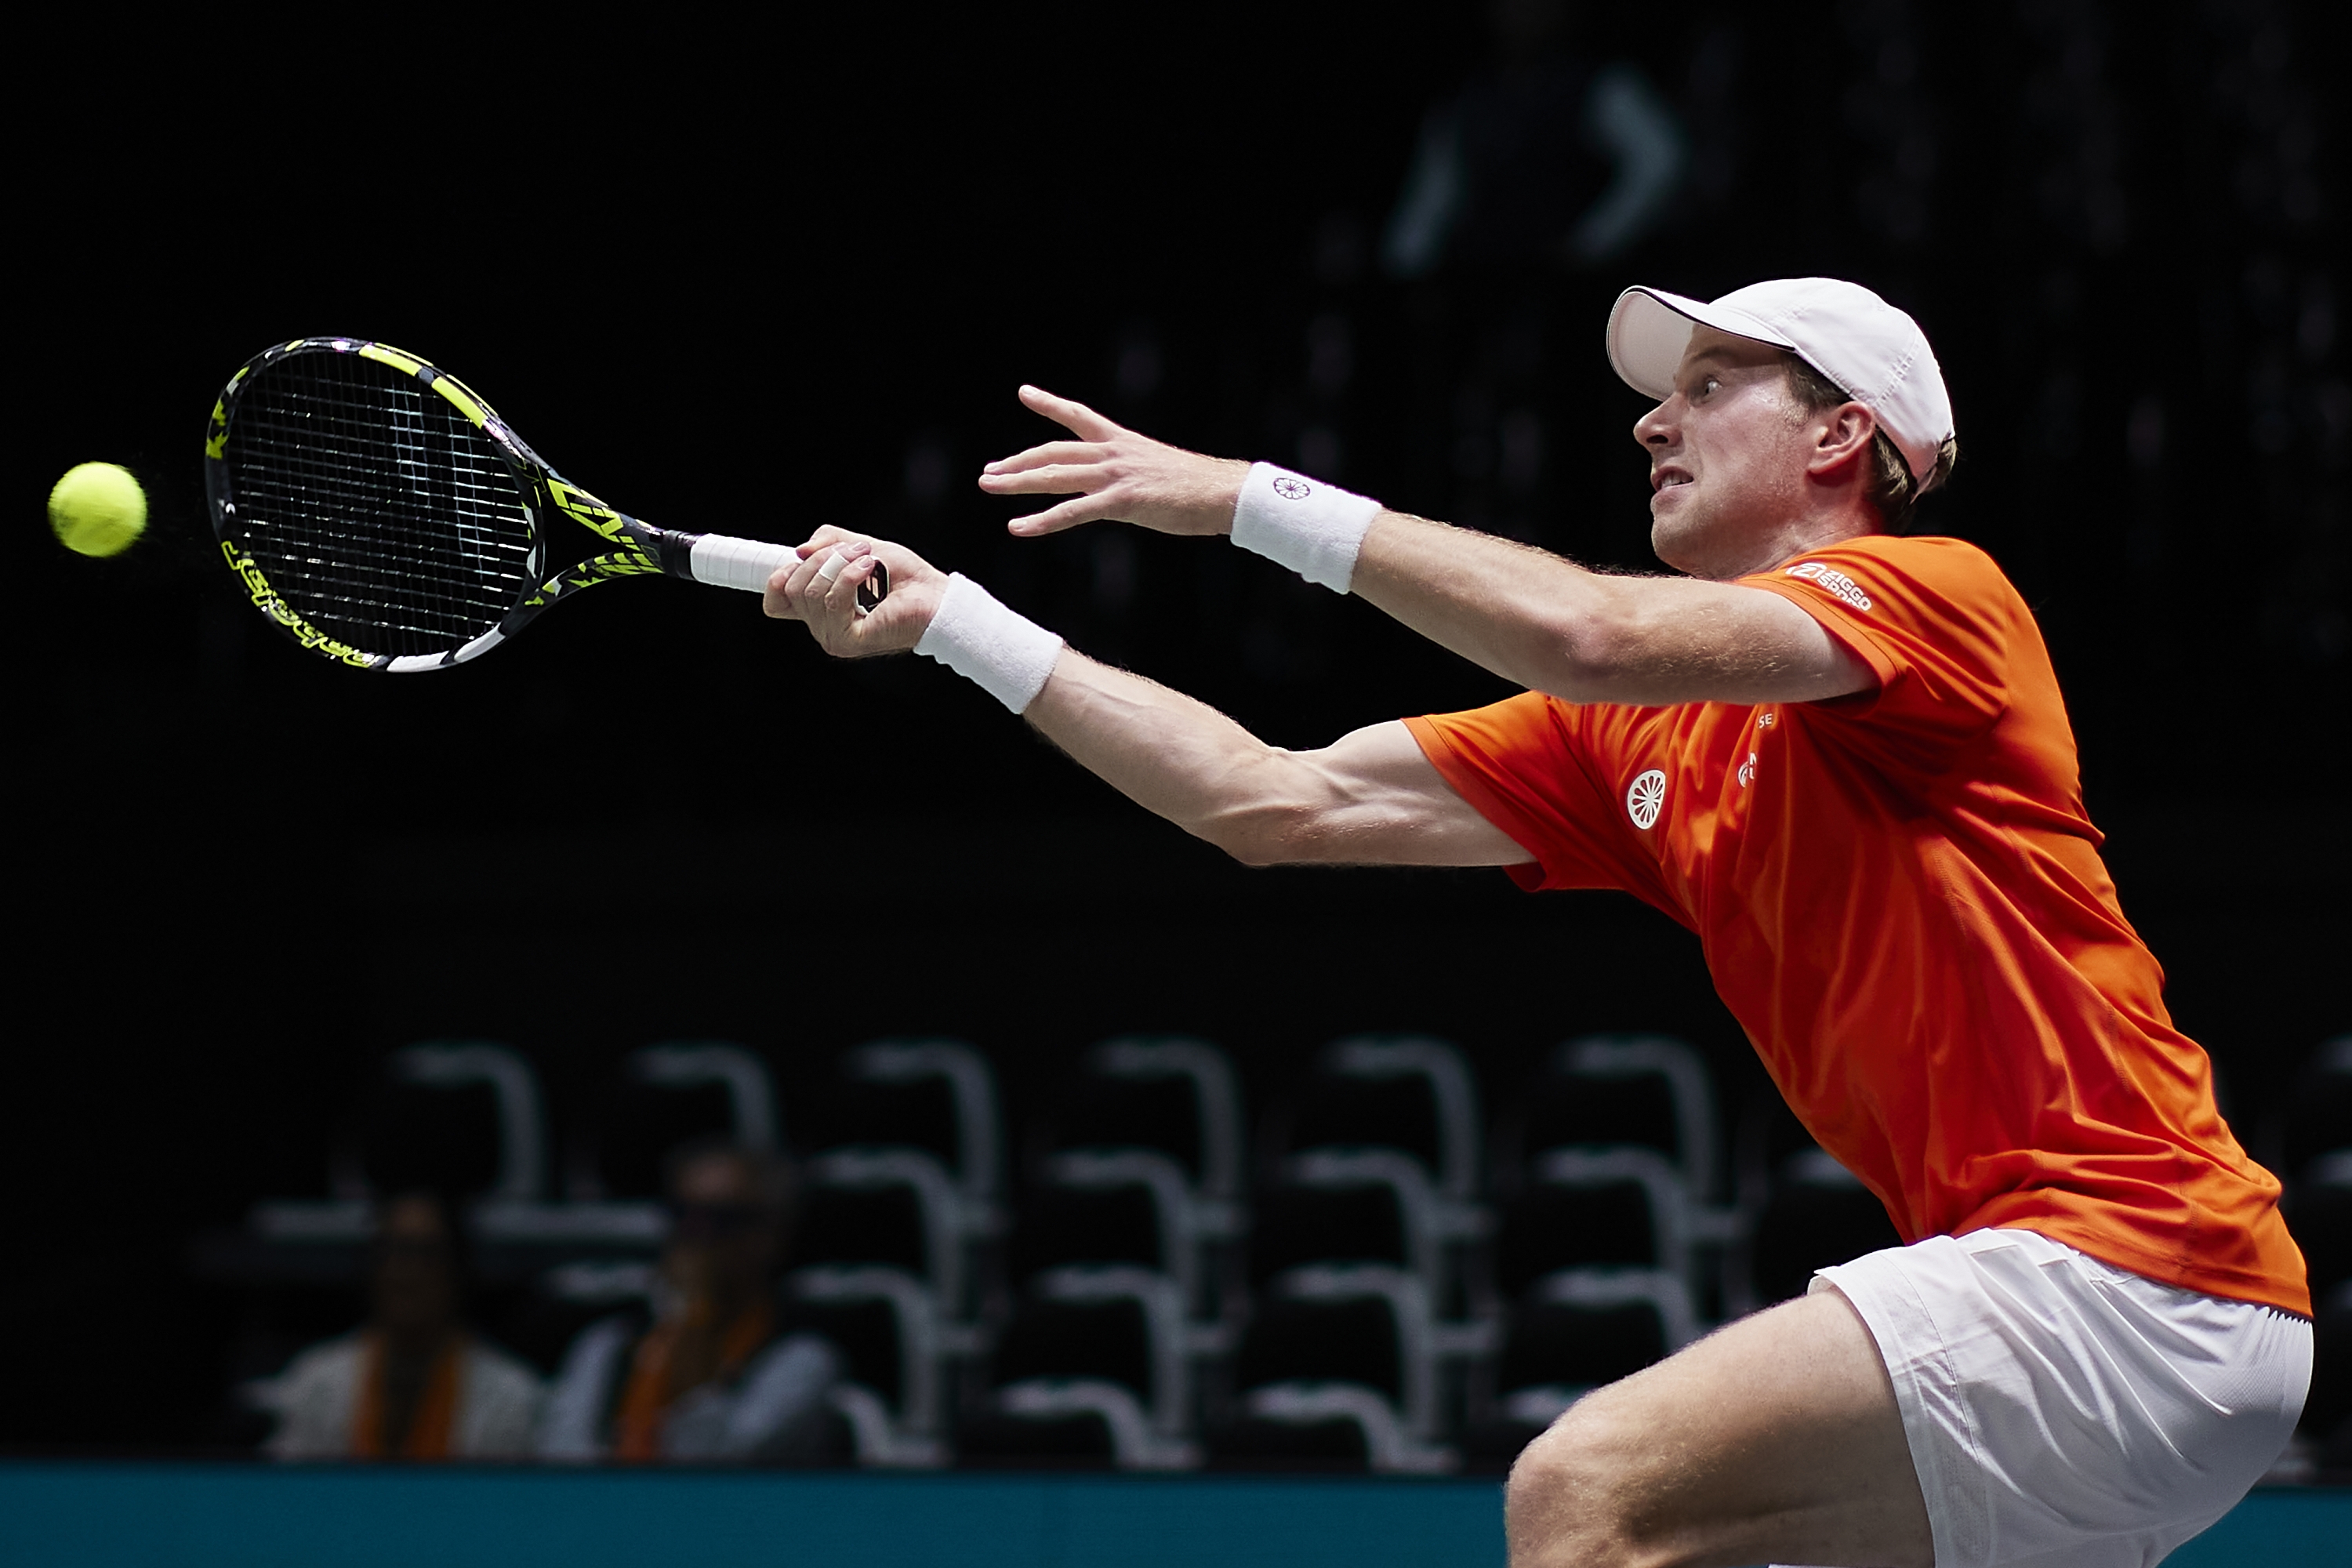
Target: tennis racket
(376,510)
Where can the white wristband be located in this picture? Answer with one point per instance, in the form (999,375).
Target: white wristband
(1312,527)
(1005,652)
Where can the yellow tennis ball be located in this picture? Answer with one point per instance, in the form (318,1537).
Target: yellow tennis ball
(98,509)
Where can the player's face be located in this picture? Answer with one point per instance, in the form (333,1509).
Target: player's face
(1729,449)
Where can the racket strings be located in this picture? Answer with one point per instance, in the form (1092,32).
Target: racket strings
(376,510)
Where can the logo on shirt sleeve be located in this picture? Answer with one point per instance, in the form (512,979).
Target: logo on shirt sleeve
(1646,797)
(1835,581)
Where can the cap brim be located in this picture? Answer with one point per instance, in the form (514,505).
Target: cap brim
(1649,330)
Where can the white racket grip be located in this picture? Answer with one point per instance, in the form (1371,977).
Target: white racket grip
(745,563)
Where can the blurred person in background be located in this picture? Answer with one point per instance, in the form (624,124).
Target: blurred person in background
(1544,156)
(413,1382)
(704,1377)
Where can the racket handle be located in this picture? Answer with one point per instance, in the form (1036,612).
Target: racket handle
(744,564)
(748,563)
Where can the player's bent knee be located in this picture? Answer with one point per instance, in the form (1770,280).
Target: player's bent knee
(1567,1501)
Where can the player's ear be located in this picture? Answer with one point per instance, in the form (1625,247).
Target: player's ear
(1846,433)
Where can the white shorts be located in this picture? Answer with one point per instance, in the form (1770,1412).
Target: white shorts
(2060,1410)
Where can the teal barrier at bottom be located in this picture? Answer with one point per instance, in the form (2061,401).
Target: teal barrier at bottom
(2282,1528)
(197,1516)
(213,1515)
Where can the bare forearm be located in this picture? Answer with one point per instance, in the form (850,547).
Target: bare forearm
(1171,755)
(1521,613)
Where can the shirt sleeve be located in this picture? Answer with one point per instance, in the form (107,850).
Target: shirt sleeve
(1525,763)
(1933,618)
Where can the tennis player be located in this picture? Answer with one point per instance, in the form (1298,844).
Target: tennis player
(1838,753)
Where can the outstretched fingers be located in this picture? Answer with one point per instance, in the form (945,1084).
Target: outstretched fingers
(1068,514)
(1077,417)
(1054,480)
(1113,473)
(1051,452)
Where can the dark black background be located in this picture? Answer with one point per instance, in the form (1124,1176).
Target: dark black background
(754,278)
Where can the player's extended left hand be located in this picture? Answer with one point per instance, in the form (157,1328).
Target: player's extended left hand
(821,590)
(1112,472)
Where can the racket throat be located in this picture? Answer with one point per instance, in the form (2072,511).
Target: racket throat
(673,550)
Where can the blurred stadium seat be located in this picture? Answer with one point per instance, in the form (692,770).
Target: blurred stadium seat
(1339,1367)
(1096,1365)
(1651,1091)
(661,1097)
(1569,1333)
(1378,1155)
(1603,1239)
(886,1323)
(937,1096)
(1804,1210)
(1369,1251)
(1152,1120)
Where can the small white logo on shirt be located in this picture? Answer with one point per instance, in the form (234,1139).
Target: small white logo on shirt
(1646,797)
(1747,768)
(1289,489)
(1835,581)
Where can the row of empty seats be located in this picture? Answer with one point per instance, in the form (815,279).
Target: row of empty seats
(1382,1276)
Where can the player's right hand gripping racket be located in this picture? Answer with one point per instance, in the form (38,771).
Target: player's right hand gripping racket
(375,509)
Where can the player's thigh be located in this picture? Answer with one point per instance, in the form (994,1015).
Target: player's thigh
(1777,1438)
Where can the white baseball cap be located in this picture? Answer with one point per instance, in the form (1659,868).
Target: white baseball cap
(1877,352)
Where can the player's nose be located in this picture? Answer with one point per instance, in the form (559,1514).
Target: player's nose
(1655,428)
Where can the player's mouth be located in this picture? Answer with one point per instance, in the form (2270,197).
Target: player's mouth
(1662,480)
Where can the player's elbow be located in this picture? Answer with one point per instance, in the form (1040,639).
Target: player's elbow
(1592,654)
(1275,810)
(1285,814)
(1259,835)
(1605,653)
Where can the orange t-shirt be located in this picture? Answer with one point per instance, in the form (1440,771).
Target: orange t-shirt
(1902,901)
